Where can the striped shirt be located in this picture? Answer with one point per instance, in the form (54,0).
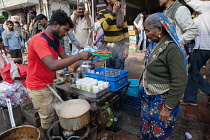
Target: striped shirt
(111,32)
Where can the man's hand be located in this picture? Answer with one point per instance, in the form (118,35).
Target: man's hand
(85,55)
(164,115)
(116,7)
(76,14)
(138,30)
(94,44)
(125,53)
(86,14)
(17,60)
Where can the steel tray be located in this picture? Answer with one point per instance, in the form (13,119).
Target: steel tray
(90,94)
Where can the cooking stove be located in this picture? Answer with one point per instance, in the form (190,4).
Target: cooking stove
(56,132)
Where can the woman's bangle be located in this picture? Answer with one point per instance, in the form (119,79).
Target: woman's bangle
(166,108)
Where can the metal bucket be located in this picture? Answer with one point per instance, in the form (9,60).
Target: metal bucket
(73,124)
(25,132)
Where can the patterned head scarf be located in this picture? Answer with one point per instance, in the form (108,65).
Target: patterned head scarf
(171,29)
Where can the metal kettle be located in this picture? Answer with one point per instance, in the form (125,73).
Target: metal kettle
(85,66)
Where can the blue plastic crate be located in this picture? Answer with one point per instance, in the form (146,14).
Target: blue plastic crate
(115,82)
(130,104)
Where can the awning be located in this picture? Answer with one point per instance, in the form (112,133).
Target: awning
(17,4)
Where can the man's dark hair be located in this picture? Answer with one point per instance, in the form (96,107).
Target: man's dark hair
(40,17)
(106,2)
(61,17)
(32,12)
(9,22)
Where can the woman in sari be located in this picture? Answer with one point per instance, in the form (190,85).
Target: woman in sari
(164,79)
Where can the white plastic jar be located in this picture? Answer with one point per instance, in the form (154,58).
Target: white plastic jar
(95,89)
(101,86)
(83,86)
(88,87)
(106,84)
(78,84)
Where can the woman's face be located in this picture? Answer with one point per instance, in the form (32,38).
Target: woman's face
(151,34)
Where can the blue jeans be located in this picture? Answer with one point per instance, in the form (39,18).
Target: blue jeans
(142,40)
(195,79)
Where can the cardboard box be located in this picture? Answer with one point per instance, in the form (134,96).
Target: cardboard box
(131,27)
(133,47)
(132,32)
(133,39)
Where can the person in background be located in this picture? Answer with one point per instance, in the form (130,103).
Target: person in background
(69,40)
(114,24)
(34,27)
(97,27)
(139,24)
(99,41)
(200,55)
(164,78)
(43,52)
(83,26)
(1,29)
(185,27)
(42,20)
(12,41)
(2,48)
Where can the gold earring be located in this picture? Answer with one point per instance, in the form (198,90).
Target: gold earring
(159,35)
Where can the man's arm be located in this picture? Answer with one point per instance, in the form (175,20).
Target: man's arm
(87,17)
(100,35)
(74,17)
(106,22)
(187,25)
(198,5)
(73,39)
(125,33)
(6,44)
(57,64)
(20,42)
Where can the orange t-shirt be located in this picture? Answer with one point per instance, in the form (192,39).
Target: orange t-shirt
(38,74)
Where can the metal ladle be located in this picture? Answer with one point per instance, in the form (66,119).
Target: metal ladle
(55,93)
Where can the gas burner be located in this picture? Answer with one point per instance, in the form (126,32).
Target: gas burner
(56,132)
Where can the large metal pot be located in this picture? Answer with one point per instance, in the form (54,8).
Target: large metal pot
(26,132)
(76,123)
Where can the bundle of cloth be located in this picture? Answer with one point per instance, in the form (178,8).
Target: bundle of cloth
(16,92)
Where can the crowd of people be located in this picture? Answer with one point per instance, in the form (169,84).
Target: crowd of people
(166,78)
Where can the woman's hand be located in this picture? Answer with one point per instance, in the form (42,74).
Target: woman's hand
(164,115)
